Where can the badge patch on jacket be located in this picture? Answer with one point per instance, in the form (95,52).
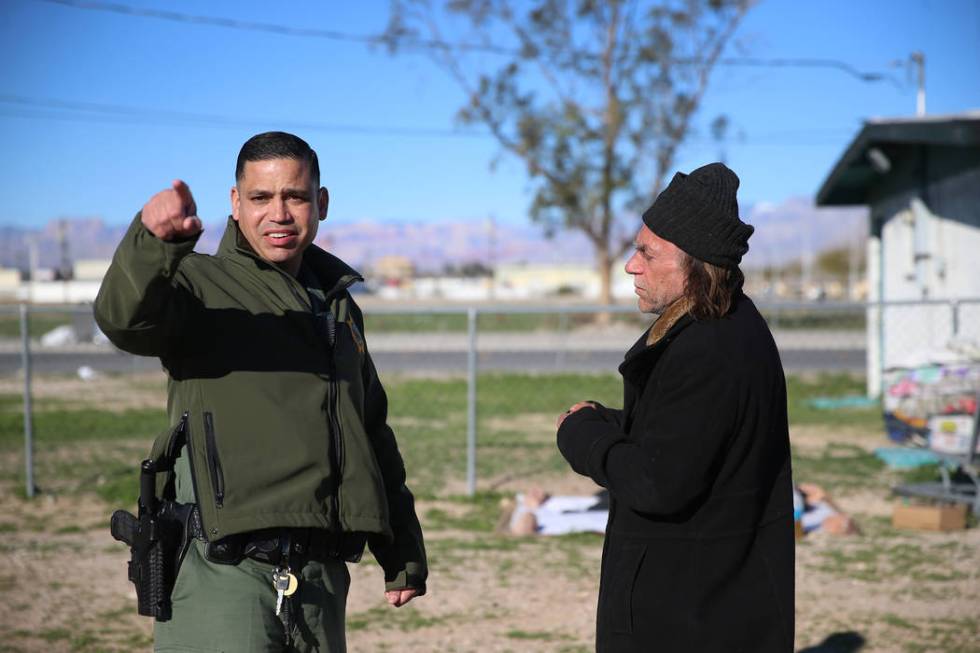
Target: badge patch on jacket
(356,335)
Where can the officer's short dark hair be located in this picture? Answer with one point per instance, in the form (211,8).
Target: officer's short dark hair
(277,145)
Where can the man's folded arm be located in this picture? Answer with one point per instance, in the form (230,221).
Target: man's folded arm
(612,415)
(667,463)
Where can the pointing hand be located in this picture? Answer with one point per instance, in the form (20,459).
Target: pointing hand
(172,214)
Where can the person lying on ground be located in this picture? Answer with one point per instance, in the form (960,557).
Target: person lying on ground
(537,512)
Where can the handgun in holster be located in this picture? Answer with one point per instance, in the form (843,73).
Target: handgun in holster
(158,538)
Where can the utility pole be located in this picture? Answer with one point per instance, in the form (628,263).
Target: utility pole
(852,267)
(918,60)
(33,263)
(492,255)
(65,267)
(806,261)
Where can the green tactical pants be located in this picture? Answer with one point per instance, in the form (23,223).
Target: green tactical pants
(232,608)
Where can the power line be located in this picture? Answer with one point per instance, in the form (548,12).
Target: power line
(272,28)
(833,64)
(335,35)
(230,23)
(55,109)
(91,111)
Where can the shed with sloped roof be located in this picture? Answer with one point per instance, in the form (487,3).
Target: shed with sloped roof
(920,179)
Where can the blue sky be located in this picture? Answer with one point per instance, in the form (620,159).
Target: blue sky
(793,123)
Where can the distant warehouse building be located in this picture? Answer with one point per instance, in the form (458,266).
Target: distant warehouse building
(920,178)
(9,284)
(91,269)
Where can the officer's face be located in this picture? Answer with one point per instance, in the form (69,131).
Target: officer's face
(657,267)
(278,209)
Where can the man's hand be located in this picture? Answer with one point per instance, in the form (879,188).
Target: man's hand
(398,598)
(172,214)
(579,406)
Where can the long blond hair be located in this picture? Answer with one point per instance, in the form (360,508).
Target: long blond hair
(711,289)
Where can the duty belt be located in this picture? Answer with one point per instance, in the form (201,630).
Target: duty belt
(265,545)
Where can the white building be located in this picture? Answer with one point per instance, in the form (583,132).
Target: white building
(920,177)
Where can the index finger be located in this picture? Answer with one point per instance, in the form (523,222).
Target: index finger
(184,192)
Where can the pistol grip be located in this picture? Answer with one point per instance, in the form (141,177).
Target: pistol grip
(124,526)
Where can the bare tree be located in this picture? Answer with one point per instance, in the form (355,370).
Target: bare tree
(595,97)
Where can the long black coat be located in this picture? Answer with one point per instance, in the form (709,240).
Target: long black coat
(699,548)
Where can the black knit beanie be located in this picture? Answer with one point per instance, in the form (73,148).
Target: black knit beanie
(699,213)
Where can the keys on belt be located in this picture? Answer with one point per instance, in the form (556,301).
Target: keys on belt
(285,584)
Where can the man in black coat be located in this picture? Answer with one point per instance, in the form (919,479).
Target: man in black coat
(699,548)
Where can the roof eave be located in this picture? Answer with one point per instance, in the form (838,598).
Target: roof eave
(832,192)
(837,190)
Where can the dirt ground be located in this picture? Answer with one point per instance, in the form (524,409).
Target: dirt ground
(63,588)
(63,580)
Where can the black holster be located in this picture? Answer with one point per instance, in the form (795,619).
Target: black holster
(158,539)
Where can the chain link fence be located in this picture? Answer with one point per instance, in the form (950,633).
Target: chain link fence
(473,391)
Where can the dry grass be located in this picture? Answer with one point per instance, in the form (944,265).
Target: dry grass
(114,393)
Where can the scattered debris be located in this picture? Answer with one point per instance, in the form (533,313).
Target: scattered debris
(935,517)
(86,373)
(60,336)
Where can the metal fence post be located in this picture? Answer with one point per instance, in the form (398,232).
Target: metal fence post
(471,314)
(25,357)
(873,348)
(954,306)
(882,366)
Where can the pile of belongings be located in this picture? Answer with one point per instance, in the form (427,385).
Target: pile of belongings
(933,403)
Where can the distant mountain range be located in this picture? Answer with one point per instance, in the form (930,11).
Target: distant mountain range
(783,232)
(790,230)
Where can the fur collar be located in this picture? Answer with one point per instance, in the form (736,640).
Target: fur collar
(667,319)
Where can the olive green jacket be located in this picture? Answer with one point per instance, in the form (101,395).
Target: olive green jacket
(283,429)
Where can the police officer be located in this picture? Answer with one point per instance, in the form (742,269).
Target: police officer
(275,405)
